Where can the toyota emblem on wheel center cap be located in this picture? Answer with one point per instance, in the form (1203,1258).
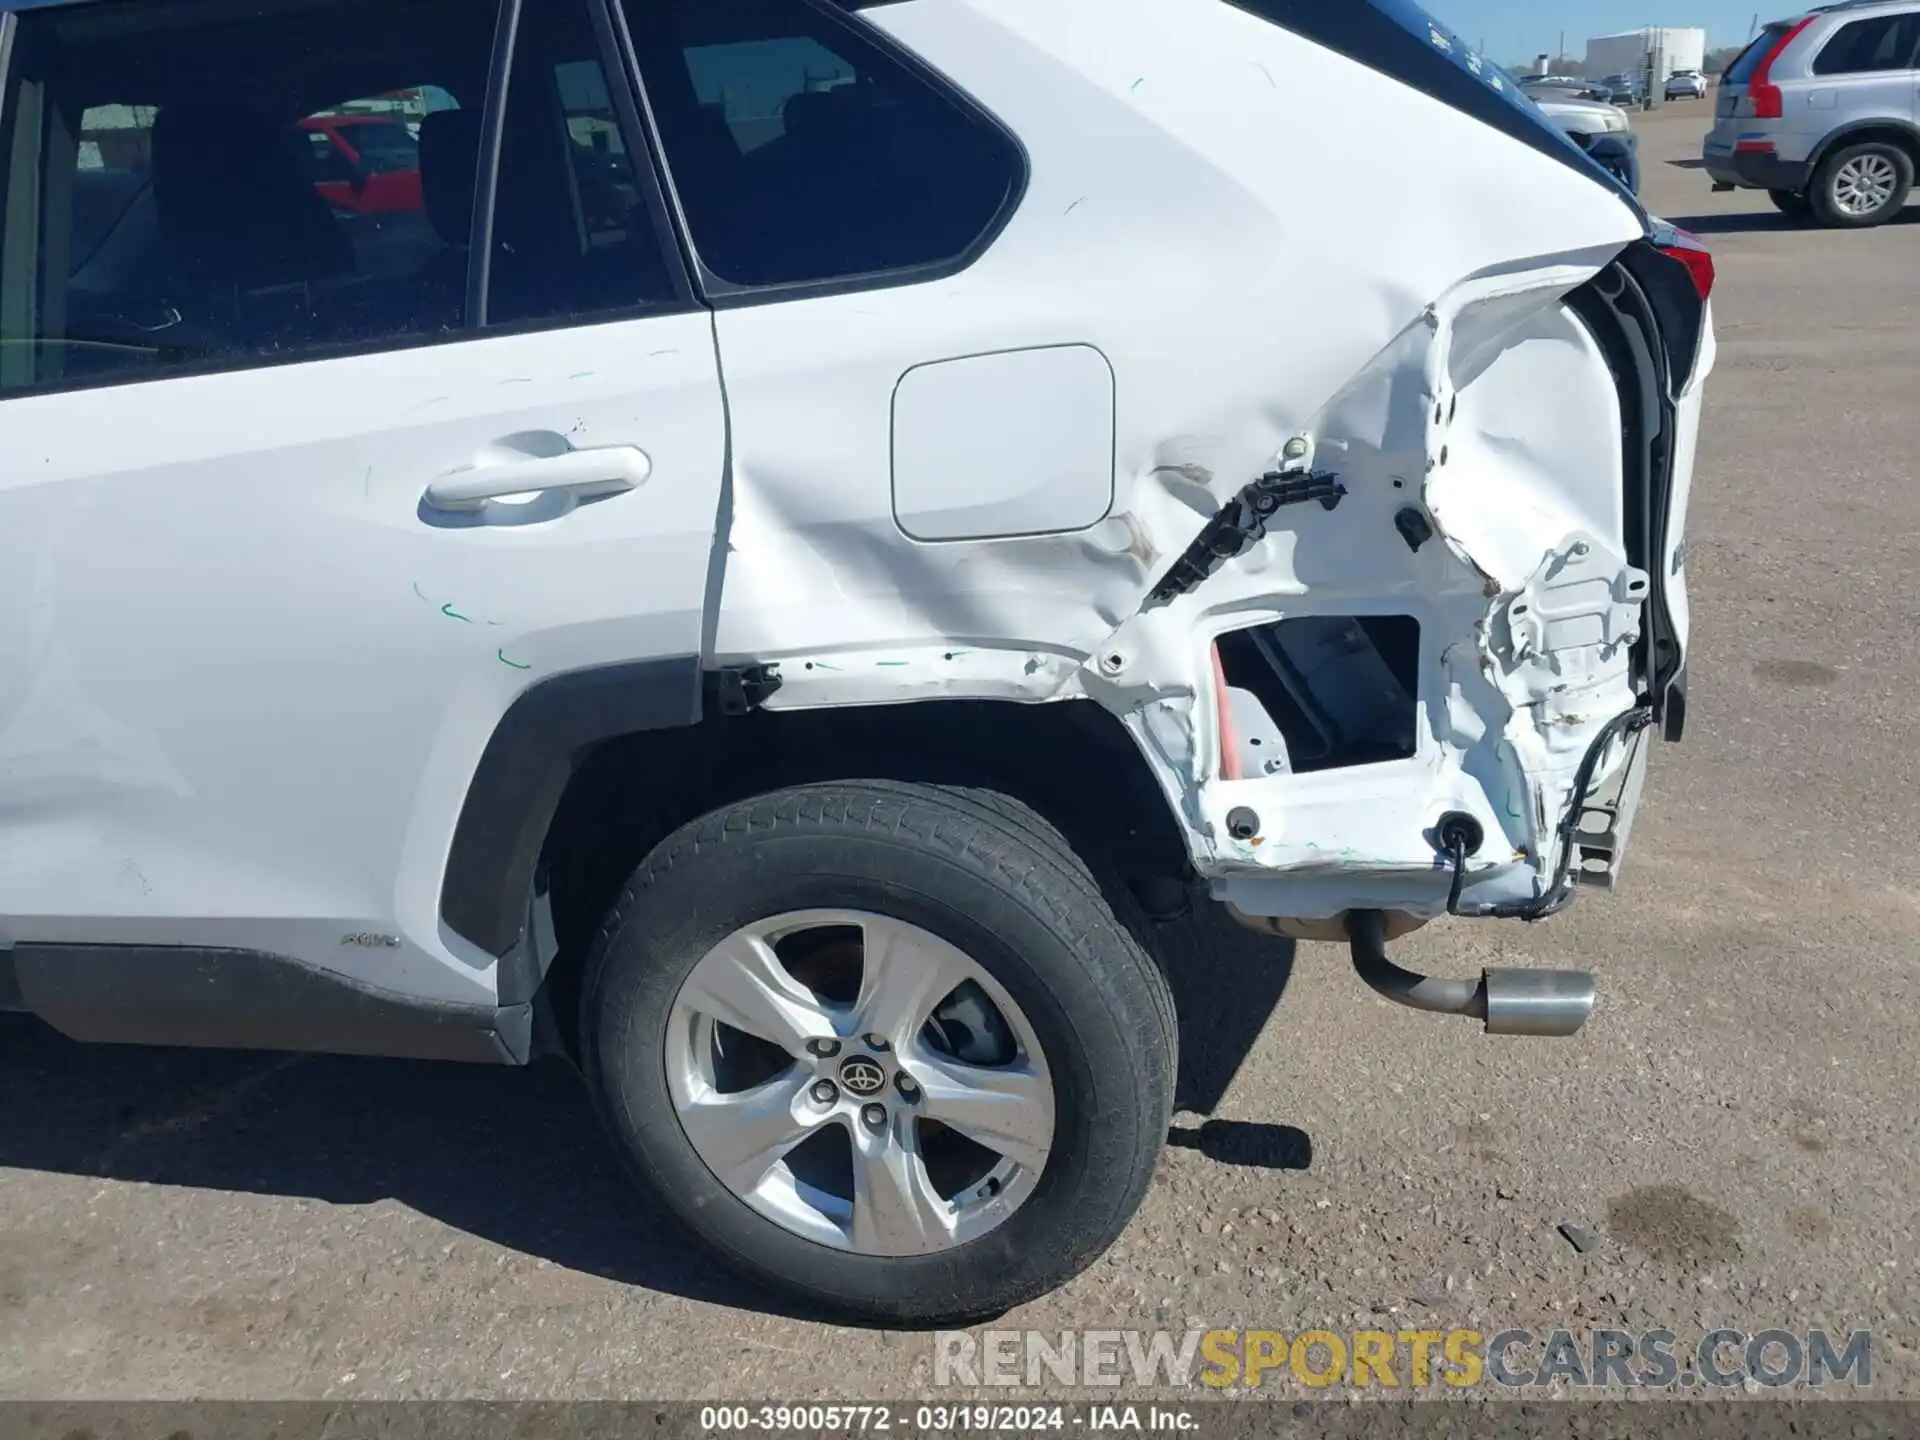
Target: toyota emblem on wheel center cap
(863,1077)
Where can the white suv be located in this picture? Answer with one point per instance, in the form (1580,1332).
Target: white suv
(768,548)
(1823,113)
(1686,85)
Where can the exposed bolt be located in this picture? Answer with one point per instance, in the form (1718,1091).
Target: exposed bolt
(1296,448)
(825,1049)
(908,1087)
(876,1042)
(874,1116)
(824,1092)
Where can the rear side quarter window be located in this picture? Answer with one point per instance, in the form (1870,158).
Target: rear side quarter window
(806,151)
(1867,47)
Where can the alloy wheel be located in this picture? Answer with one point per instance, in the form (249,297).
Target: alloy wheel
(1865,184)
(860,1082)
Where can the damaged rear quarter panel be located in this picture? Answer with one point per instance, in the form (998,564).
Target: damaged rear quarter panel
(1190,214)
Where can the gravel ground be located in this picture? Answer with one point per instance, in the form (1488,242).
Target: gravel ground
(1736,1128)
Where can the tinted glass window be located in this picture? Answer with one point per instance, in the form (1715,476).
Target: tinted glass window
(1742,70)
(327,161)
(200,183)
(1865,46)
(803,151)
(385,147)
(171,198)
(571,232)
(110,172)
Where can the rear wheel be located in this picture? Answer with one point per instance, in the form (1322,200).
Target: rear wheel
(1862,185)
(885,1047)
(1792,204)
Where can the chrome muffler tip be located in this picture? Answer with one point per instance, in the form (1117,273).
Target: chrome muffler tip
(1537,1002)
(1510,1002)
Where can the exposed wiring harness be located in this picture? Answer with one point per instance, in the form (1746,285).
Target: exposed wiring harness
(1460,840)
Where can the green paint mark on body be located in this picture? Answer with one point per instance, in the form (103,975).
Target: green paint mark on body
(501,656)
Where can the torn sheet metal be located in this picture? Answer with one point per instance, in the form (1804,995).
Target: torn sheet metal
(1527,612)
(1523,664)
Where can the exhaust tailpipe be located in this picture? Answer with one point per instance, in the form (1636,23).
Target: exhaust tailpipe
(1511,1002)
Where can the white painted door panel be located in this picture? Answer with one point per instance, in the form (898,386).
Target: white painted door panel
(246,670)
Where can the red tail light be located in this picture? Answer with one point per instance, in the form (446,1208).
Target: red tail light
(1698,260)
(1768,102)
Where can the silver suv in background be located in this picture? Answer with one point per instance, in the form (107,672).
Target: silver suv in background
(1823,112)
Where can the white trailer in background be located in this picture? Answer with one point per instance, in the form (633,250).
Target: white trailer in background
(1667,50)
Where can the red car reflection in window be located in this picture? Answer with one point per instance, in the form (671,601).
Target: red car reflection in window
(365,164)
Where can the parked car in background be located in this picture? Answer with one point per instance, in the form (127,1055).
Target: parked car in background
(1603,130)
(1569,85)
(1686,85)
(1822,112)
(1620,89)
(365,164)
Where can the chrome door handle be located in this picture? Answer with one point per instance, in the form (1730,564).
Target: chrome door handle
(583,474)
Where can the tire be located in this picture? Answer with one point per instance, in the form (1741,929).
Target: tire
(1837,185)
(1792,204)
(977,871)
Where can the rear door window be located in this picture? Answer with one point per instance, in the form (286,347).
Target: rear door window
(1866,47)
(218,184)
(572,234)
(180,190)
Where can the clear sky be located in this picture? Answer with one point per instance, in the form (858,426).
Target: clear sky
(1520,29)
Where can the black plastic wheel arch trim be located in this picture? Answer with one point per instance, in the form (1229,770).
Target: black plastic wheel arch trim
(487,892)
(1864,132)
(250,1000)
